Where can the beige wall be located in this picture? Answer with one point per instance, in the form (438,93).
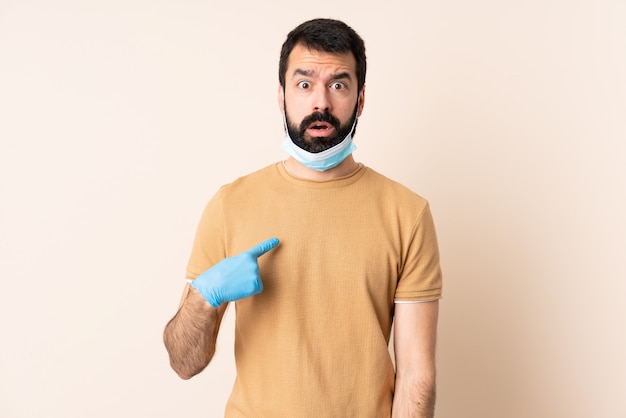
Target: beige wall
(119,119)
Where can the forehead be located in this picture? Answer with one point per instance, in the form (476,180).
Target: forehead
(318,62)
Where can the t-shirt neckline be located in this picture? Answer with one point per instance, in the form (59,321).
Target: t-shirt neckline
(321,184)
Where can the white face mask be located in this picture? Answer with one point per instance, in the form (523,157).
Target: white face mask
(320,161)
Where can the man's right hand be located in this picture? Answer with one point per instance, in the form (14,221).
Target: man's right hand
(235,277)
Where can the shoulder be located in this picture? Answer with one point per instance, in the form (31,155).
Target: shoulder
(254,181)
(393,191)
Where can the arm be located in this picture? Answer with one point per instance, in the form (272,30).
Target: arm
(415,334)
(191,334)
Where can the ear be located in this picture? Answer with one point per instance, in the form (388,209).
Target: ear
(281,98)
(361,101)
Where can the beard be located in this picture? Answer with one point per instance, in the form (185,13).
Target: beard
(314,144)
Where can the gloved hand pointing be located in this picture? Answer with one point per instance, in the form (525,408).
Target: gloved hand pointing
(234,277)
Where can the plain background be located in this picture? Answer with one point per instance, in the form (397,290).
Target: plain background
(119,119)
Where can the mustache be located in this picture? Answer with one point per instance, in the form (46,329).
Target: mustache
(326,116)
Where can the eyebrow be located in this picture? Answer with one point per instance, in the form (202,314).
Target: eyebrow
(310,73)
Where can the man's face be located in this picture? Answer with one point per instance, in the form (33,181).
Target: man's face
(320,98)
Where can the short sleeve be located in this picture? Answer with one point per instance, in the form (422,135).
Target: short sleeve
(208,246)
(421,278)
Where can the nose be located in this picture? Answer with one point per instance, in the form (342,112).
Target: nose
(321,100)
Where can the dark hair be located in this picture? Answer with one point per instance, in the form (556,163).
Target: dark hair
(325,35)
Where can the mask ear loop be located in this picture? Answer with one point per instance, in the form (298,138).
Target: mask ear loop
(356,116)
(282,96)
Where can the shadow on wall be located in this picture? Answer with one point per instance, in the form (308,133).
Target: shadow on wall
(483,359)
(512,331)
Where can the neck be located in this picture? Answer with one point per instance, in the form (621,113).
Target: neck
(295,168)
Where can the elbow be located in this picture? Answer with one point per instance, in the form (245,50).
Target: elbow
(188,363)
(189,353)
(187,371)
(186,367)
(184,375)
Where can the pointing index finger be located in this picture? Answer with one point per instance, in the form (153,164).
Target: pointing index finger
(260,249)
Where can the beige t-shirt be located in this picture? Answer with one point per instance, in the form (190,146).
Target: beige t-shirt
(314,343)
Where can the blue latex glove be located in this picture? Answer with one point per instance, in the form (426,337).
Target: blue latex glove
(234,277)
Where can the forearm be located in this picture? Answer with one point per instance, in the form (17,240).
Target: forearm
(414,396)
(414,342)
(191,334)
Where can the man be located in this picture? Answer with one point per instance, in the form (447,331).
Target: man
(357,251)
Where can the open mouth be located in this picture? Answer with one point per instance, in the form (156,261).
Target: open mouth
(319,126)
(320,129)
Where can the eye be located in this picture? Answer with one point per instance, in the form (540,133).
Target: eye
(337,85)
(304,85)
